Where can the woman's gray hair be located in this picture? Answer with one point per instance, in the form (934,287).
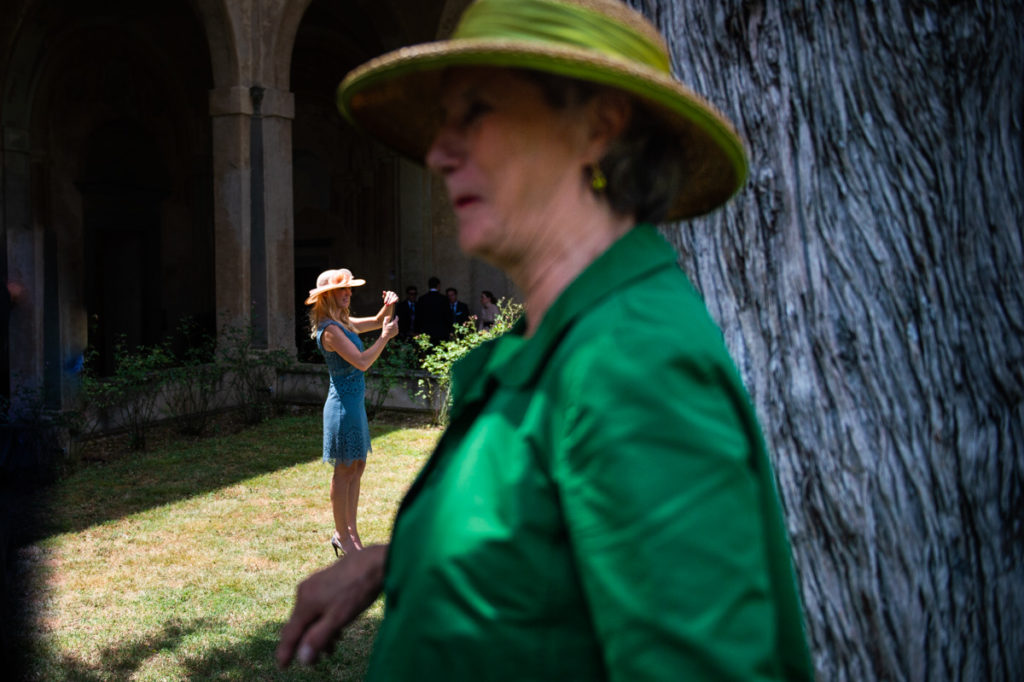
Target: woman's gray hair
(642,166)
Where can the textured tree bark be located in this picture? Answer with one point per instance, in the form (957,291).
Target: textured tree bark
(869,280)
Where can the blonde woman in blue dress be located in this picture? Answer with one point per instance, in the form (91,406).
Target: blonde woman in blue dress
(346,432)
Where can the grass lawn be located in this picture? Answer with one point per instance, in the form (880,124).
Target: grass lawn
(181,563)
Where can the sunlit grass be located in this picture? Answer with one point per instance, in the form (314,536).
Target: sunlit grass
(182,563)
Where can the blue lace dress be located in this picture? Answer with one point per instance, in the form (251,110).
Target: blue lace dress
(346,433)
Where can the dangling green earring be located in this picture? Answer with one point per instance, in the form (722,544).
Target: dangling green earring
(597,179)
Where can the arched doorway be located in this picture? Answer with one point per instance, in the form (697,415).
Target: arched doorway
(114,209)
(349,205)
(123,183)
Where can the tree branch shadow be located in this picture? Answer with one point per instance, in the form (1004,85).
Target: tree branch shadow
(183,469)
(251,659)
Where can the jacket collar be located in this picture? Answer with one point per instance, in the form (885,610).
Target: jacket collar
(513,360)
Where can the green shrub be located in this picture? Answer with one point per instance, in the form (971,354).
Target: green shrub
(393,366)
(438,359)
(129,395)
(95,401)
(190,383)
(194,381)
(251,372)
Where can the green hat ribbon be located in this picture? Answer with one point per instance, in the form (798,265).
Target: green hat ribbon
(560,24)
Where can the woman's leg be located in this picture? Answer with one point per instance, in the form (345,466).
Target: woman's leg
(340,486)
(353,501)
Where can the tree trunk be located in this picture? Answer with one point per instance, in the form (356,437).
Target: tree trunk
(869,280)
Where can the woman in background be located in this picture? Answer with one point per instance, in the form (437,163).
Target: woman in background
(346,431)
(488,310)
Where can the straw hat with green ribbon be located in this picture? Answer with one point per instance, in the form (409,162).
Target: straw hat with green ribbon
(393,97)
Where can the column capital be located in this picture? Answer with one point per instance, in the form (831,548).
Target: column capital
(236,100)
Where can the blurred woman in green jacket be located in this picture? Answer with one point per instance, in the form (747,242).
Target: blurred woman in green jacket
(601,506)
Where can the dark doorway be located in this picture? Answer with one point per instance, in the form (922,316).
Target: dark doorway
(123,185)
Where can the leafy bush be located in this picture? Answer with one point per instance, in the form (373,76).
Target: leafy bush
(95,402)
(129,395)
(439,359)
(391,367)
(251,372)
(190,383)
(194,380)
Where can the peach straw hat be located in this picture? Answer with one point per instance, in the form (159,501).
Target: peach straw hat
(395,97)
(333,279)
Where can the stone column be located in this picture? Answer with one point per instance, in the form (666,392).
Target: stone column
(278,230)
(253,214)
(24,264)
(231,113)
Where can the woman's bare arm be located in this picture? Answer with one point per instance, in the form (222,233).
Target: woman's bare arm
(334,340)
(368,324)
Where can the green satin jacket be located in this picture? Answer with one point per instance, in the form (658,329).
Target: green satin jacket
(601,506)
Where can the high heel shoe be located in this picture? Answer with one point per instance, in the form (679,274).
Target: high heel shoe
(336,544)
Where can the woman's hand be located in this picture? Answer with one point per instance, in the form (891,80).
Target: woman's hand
(390,328)
(390,298)
(329,600)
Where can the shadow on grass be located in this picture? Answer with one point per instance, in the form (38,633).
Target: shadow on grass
(134,482)
(252,659)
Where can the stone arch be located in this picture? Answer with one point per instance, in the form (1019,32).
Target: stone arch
(240,55)
(85,82)
(290,18)
(346,193)
(223,39)
(386,217)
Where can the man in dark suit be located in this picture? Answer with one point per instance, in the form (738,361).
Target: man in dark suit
(459,310)
(406,311)
(433,314)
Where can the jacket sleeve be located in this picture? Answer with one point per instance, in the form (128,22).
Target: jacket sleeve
(664,514)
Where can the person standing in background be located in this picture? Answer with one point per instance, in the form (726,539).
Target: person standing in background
(459,310)
(346,439)
(488,310)
(406,311)
(433,315)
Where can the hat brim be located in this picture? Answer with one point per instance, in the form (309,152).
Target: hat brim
(395,96)
(315,293)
